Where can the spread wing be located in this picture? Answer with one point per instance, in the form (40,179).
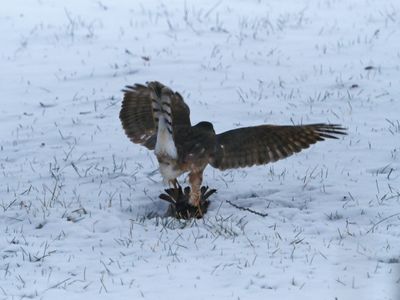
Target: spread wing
(244,147)
(141,109)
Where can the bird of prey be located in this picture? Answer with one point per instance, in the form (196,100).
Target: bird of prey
(158,118)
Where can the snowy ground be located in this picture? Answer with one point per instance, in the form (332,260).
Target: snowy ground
(77,197)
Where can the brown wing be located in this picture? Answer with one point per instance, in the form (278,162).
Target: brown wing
(244,147)
(141,109)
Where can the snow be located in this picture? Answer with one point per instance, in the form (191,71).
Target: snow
(80,216)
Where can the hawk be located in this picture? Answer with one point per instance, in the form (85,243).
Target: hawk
(158,118)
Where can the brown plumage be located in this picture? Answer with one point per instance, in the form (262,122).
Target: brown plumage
(158,118)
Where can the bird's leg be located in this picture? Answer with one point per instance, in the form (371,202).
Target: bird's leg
(195,180)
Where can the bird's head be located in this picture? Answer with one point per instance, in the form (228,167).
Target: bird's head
(206,126)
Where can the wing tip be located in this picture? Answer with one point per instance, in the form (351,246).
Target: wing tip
(330,131)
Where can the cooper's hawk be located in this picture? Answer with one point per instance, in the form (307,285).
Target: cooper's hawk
(158,118)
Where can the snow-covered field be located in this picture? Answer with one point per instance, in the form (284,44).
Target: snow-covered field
(80,216)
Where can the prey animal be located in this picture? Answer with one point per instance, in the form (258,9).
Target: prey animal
(158,118)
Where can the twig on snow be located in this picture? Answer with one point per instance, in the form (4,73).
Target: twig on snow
(247,209)
(383,220)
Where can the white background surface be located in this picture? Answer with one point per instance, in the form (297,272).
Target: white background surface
(237,63)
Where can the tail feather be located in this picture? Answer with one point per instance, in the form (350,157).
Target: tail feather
(161,104)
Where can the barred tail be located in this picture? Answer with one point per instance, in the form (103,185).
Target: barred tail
(161,103)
